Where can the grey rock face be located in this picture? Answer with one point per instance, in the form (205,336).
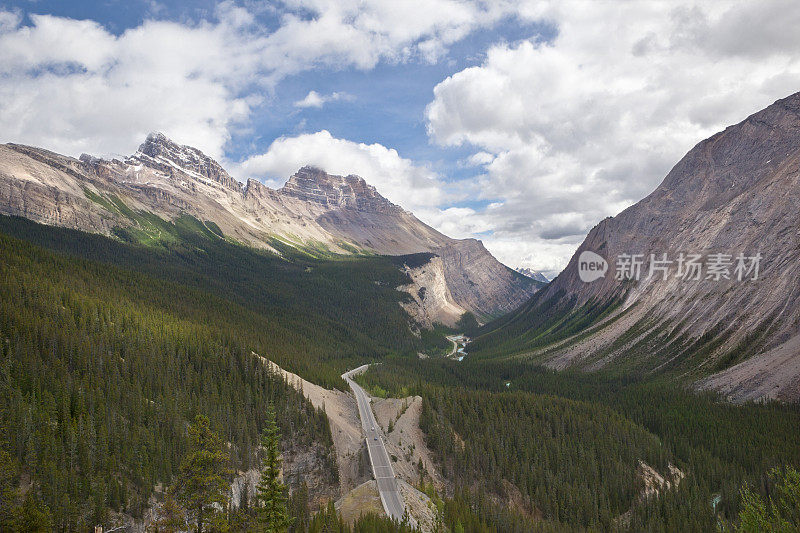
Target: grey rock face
(337,192)
(469,266)
(160,152)
(533,274)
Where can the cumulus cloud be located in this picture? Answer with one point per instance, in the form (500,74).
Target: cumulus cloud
(73,86)
(400,180)
(314,99)
(367,31)
(576,129)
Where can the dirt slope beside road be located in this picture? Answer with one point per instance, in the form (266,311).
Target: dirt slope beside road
(406,441)
(344,421)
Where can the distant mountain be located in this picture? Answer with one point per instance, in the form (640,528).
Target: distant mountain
(737,192)
(533,274)
(314,211)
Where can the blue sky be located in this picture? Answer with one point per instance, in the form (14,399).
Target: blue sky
(521,123)
(388,103)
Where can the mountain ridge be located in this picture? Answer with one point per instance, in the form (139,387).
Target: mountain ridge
(533,274)
(737,192)
(314,211)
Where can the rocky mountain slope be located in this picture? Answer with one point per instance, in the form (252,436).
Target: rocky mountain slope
(533,274)
(313,211)
(737,192)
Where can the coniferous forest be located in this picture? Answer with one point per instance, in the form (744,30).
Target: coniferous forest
(569,444)
(114,352)
(109,350)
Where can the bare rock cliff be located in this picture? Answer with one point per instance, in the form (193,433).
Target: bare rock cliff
(737,192)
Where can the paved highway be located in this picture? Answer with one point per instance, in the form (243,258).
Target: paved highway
(378,457)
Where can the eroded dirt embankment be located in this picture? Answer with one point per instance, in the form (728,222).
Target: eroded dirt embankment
(405,444)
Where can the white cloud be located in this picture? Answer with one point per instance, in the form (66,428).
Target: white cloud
(400,180)
(579,128)
(9,20)
(480,158)
(73,86)
(314,99)
(365,31)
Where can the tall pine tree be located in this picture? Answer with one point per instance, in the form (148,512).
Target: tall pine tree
(271,492)
(201,482)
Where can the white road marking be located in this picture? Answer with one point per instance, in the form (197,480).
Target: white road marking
(379,460)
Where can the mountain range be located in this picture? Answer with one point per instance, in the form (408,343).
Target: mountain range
(736,331)
(316,212)
(733,195)
(533,274)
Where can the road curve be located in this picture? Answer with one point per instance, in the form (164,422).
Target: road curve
(378,457)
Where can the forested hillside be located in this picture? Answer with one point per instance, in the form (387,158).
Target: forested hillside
(109,349)
(299,311)
(561,450)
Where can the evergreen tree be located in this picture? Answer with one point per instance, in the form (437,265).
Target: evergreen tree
(781,509)
(33,516)
(467,324)
(8,491)
(201,482)
(271,492)
(298,509)
(170,516)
